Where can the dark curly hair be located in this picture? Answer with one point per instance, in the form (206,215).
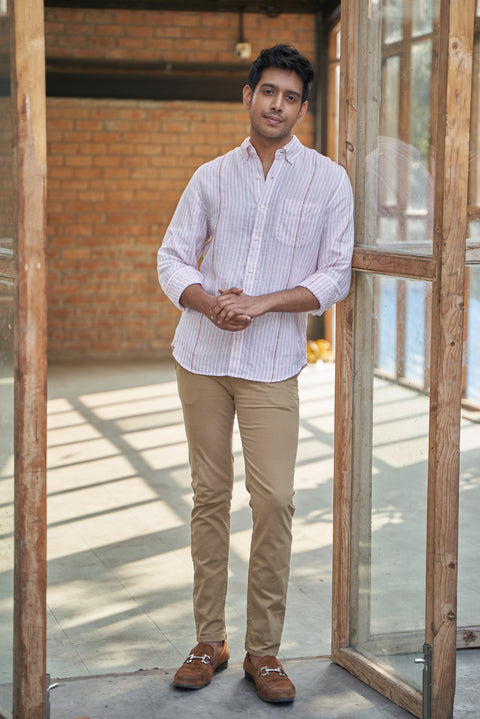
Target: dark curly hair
(284,57)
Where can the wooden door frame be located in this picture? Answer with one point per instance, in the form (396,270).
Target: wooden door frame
(445,270)
(30,343)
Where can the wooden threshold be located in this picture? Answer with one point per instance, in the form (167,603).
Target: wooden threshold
(380,679)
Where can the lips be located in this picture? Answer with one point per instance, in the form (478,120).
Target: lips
(274,119)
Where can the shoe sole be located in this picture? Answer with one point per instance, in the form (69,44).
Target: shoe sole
(277,700)
(220,668)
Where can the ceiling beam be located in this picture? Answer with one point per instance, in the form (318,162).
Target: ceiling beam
(270,8)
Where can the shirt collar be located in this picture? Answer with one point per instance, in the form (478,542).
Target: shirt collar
(291,151)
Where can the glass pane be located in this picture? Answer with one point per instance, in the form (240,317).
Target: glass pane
(6,371)
(390,469)
(6,492)
(386,336)
(468,576)
(333,92)
(400,331)
(472,345)
(392,20)
(422,17)
(394,177)
(473,239)
(417,296)
(469,535)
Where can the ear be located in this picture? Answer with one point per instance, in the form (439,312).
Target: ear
(247,96)
(302,111)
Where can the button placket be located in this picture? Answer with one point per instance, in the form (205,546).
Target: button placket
(256,238)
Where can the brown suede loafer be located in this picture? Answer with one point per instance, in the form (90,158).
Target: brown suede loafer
(272,682)
(199,667)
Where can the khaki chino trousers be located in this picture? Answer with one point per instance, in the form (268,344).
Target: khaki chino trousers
(268,418)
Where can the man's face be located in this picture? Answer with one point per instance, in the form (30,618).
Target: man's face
(275,105)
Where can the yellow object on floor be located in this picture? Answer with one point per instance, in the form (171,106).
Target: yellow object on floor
(319,350)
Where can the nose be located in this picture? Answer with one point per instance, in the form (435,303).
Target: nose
(277,102)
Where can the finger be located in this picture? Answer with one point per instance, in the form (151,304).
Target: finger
(234,327)
(232,290)
(226,312)
(222,302)
(236,323)
(239,319)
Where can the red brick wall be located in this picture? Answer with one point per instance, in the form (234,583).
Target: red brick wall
(116,169)
(175,36)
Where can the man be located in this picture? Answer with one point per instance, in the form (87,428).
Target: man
(261,236)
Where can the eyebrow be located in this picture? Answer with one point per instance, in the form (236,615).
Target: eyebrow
(275,87)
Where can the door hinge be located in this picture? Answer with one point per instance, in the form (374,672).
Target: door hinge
(49,689)
(426,660)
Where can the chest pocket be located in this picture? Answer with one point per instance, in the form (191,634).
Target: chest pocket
(298,223)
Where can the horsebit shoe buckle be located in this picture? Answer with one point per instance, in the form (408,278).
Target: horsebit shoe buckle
(265,671)
(205,659)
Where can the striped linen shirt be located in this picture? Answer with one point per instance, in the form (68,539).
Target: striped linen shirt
(235,228)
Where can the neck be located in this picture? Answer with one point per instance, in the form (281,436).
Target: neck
(266,148)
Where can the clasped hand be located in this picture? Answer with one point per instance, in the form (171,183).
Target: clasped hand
(233,310)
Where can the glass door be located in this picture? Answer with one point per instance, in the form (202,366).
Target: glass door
(404,128)
(468,635)
(7,289)
(468,632)
(389,476)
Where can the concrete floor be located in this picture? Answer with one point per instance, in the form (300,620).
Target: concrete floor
(120,574)
(324,691)
(119,596)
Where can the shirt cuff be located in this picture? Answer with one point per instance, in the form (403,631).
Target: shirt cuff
(179,282)
(324,289)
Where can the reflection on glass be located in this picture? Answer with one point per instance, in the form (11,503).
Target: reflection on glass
(473,239)
(468,576)
(386,336)
(388,167)
(472,345)
(333,92)
(400,330)
(422,17)
(6,491)
(417,295)
(6,187)
(394,179)
(6,371)
(392,20)
(390,470)
(421,59)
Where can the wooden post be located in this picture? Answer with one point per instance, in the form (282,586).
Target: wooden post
(451,98)
(28,92)
(343,348)
(451,183)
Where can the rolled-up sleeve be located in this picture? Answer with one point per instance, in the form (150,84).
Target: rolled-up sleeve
(330,282)
(178,257)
